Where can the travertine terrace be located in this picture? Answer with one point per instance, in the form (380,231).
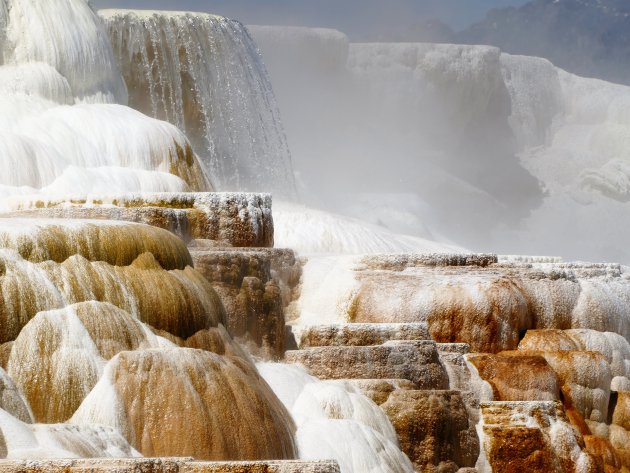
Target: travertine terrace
(151,325)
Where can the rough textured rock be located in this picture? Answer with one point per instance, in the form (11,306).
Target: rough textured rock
(360,334)
(416,361)
(516,377)
(453,359)
(602,448)
(532,436)
(5,352)
(255,285)
(165,465)
(186,402)
(229,219)
(433,429)
(379,390)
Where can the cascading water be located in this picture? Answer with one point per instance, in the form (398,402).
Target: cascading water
(68,37)
(204,74)
(63,120)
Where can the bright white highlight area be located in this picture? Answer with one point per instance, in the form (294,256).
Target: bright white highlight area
(64,124)
(492,151)
(334,420)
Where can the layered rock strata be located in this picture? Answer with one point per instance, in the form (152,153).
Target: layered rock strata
(227,219)
(255,286)
(416,361)
(471,299)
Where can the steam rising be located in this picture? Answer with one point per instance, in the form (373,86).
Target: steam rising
(486,150)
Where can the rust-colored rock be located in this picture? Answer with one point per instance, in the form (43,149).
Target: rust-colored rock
(532,436)
(548,340)
(416,361)
(603,449)
(255,285)
(433,429)
(488,305)
(585,378)
(516,377)
(518,448)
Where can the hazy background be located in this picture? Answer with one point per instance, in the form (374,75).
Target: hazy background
(447,141)
(357,18)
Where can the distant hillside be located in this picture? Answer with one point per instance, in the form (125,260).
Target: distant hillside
(587,37)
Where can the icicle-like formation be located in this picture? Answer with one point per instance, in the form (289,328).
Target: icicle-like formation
(203,73)
(180,302)
(116,243)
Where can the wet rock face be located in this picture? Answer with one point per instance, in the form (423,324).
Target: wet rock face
(116,243)
(417,362)
(227,219)
(255,285)
(180,302)
(11,400)
(433,428)
(517,377)
(180,402)
(58,356)
(532,436)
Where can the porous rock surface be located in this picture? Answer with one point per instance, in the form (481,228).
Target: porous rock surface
(433,428)
(416,361)
(255,285)
(229,219)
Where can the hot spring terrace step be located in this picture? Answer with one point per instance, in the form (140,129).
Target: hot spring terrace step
(164,465)
(360,334)
(229,219)
(417,361)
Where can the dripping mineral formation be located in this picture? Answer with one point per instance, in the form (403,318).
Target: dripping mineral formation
(148,324)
